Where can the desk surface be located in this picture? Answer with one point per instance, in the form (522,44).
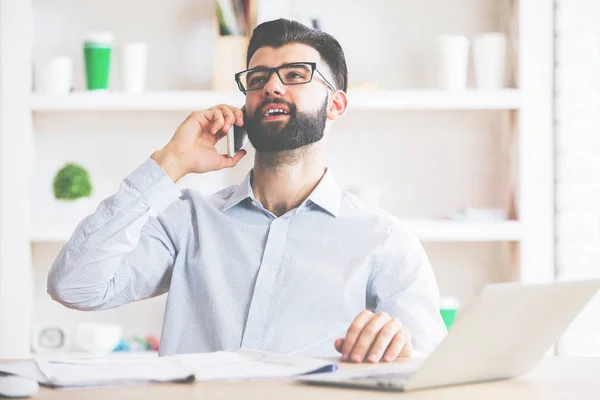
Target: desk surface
(553,378)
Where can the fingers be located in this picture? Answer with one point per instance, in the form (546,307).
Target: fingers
(338,344)
(229,115)
(228,162)
(237,113)
(221,117)
(395,348)
(239,116)
(354,331)
(408,348)
(401,346)
(368,335)
(383,340)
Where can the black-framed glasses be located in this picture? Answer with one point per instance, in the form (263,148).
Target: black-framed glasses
(290,74)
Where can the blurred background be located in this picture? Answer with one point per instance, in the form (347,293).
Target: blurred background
(473,121)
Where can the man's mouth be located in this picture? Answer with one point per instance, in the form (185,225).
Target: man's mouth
(274,114)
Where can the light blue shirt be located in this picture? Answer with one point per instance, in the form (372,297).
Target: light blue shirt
(237,276)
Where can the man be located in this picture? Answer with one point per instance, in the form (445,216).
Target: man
(285,261)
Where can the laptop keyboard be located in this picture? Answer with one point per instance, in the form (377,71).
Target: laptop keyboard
(396,377)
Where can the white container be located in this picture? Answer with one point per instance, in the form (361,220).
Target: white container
(55,76)
(134,67)
(453,62)
(98,339)
(489,60)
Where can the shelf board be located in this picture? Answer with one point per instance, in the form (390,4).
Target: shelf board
(51,233)
(412,99)
(431,99)
(149,101)
(426,230)
(465,231)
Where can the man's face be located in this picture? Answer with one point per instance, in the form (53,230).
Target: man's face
(305,105)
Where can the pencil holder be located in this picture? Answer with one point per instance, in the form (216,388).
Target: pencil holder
(229,58)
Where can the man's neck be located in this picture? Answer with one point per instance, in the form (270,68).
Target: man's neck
(282,181)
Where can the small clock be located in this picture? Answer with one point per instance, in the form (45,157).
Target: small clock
(50,338)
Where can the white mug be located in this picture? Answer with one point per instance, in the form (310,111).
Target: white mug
(489,60)
(55,76)
(134,67)
(453,62)
(98,338)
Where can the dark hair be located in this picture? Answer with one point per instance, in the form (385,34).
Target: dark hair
(282,31)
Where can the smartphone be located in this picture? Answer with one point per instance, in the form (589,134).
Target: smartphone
(237,137)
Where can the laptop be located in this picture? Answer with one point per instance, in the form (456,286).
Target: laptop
(502,334)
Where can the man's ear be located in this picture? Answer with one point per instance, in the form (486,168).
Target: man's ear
(337,105)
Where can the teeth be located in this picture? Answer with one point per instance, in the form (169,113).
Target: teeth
(275,110)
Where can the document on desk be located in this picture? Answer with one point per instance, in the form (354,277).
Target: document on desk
(110,371)
(249,364)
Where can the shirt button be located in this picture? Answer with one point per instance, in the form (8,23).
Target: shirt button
(148,179)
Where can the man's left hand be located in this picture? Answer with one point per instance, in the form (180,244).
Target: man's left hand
(374,337)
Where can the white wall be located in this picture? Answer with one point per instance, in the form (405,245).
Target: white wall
(577,160)
(430,163)
(15,139)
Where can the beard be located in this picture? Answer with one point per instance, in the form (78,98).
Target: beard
(300,129)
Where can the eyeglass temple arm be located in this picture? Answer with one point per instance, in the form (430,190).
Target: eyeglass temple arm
(326,81)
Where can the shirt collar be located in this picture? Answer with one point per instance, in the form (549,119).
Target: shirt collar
(326,195)
(240,193)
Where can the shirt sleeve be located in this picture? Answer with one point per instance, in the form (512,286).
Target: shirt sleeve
(123,252)
(404,286)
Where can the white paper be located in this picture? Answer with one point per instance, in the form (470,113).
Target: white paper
(247,364)
(221,365)
(88,373)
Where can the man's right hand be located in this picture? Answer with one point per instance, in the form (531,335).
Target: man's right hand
(192,147)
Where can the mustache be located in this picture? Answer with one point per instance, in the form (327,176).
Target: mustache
(265,103)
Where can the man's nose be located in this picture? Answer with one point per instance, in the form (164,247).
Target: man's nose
(274,86)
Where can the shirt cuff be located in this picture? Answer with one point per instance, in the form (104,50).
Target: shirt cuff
(155,186)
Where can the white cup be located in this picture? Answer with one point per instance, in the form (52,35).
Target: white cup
(134,67)
(453,62)
(56,76)
(489,60)
(98,338)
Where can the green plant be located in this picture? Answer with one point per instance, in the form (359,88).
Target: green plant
(71,182)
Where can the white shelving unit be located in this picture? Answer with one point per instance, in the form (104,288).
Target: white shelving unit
(531,103)
(508,99)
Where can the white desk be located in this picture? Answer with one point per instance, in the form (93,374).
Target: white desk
(554,378)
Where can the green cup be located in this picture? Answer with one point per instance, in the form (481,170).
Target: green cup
(97,49)
(448,310)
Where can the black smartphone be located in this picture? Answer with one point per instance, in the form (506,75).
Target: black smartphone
(237,137)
